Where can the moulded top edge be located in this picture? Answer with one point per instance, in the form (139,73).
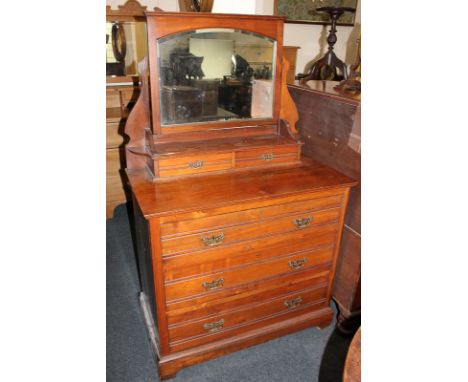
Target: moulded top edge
(209,14)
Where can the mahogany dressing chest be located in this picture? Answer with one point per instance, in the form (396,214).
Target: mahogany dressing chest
(237,236)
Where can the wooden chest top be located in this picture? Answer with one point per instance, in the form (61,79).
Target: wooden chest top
(190,194)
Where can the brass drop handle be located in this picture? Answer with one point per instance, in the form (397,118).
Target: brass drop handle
(214,326)
(267,157)
(196,164)
(215,284)
(213,240)
(302,223)
(295,264)
(293,303)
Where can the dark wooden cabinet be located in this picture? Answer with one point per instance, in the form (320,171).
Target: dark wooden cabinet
(237,235)
(330,126)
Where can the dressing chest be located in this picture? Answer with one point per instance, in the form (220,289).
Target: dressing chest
(237,236)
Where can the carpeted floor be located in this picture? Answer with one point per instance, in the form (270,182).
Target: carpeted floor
(311,355)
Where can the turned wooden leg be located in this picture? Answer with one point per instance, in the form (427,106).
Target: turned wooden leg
(347,325)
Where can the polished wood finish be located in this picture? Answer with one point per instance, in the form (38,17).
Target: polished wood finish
(330,125)
(264,253)
(290,53)
(238,237)
(161,25)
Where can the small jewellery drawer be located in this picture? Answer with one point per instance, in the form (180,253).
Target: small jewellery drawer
(246,252)
(219,237)
(267,156)
(193,164)
(246,314)
(242,275)
(173,226)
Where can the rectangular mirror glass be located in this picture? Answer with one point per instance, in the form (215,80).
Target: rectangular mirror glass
(215,75)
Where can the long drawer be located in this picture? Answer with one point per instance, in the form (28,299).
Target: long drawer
(226,331)
(242,275)
(219,237)
(263,292)
(209,300)
(247,313)
(243,253)
(176,226)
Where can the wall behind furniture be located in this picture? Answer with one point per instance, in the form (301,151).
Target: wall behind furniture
(312,39)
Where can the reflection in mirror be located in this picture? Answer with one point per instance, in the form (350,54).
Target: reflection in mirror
(125,47)
(216,74)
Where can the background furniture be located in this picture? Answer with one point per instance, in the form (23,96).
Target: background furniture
(195,5)
(329,67)
(237,237)
(119,101)
(122,92)
(330,126)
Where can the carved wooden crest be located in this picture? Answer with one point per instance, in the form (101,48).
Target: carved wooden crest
(132,10)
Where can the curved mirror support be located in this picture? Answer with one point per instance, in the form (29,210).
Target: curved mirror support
(216,75)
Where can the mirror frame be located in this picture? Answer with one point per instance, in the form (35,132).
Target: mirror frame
(161,25)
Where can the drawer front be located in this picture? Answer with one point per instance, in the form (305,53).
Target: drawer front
(186,165)
(229,235)
(267,156)
(314,276)
(225,331)
(246,314)
(114,161)
(113,138)
(243,275)
(244,253)
(112,98)
(175,227)
(115,190)
(264,291)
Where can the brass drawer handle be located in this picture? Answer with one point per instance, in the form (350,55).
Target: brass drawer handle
(267,157)
(213,240)
(214,326)
(215,284)
(295,264)
(302,223)
(293,303)
(196,164)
